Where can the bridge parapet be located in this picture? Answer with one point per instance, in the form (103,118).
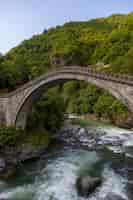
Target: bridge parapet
(17,102)
(118,78)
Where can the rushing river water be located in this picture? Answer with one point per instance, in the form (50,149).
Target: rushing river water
(99,151)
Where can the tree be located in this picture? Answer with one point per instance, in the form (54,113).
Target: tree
(48,112)
(103,106)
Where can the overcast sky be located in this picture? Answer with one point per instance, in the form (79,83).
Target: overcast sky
(20,19)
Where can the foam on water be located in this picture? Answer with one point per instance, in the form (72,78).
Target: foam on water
(116,139)
(62,174)
(18,193)
(57,176)
(113,183)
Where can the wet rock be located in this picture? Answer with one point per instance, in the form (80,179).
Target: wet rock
(11,156)
(29,152)
(2,165)
(10,172)
(128,124)
(3,198)
(86,185)
(112,196)
(82,131)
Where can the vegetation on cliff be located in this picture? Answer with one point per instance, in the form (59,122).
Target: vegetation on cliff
(9,136)
(12,137)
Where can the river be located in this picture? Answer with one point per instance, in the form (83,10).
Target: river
(98,150)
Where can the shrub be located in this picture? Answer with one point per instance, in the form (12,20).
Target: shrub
(9,135)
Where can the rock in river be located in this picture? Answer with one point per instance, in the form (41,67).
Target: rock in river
(112,196)
(86,185)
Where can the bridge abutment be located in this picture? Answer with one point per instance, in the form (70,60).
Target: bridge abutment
(5,112)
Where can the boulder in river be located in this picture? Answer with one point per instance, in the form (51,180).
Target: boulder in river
(86,185)
(112,196)
(128,124)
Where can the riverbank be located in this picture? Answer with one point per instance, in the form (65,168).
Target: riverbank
(29,146)
(96,150)
(33,145)
(85,120)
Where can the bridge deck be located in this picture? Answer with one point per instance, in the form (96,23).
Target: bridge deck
(118,78)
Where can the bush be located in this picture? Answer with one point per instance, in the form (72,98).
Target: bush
(10,135)
(48,112)
(103,106)
(118,110)
(109,107)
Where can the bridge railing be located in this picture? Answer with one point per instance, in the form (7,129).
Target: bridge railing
(122,78)
(119,78)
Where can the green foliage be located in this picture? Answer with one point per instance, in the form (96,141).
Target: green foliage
(10,135)
(48,112)
(37,138)
(69,89)
(110,108)
(103,40)
(118,110)
(103,106)
(88,98)
(73,105)
(83,98)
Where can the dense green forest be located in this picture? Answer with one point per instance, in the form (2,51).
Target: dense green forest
(105,43)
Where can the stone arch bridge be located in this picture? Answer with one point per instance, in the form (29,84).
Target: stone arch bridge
(15,106)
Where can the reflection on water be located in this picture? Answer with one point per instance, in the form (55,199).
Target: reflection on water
(53,177)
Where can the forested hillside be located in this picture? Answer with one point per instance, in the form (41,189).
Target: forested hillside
(105,43)
(100,41)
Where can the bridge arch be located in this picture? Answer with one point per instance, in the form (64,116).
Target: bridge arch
(32,91)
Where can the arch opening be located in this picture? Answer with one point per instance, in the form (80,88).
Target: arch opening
(27,102)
